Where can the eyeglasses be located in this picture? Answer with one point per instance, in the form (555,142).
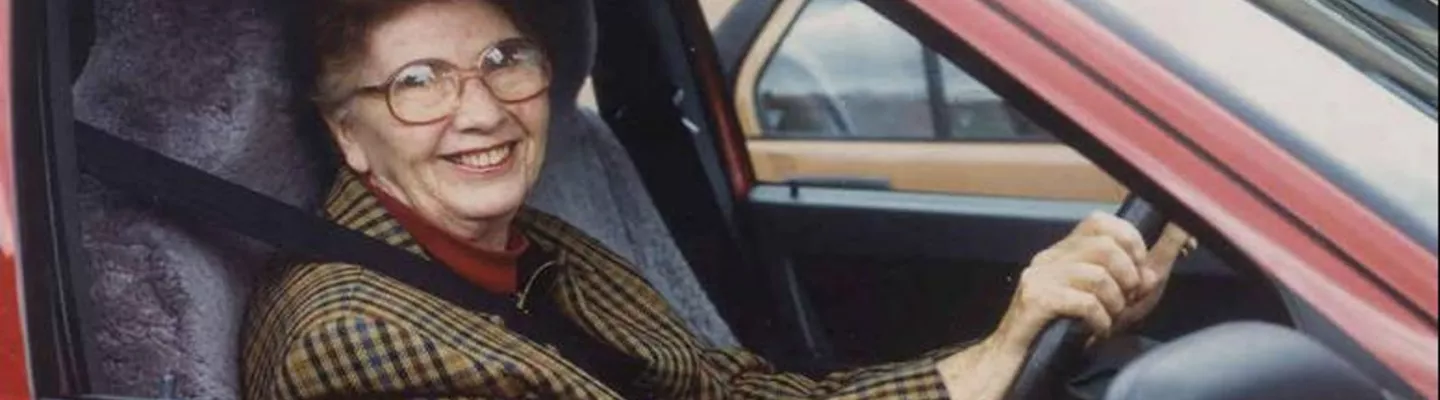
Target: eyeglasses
(429,90)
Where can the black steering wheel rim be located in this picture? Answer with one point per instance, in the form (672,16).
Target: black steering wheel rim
(1058,351)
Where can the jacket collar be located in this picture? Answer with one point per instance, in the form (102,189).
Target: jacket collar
(351,205)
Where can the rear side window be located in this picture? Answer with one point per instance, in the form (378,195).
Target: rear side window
(842,71)
(832,93)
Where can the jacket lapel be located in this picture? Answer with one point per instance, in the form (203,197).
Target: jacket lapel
(351,205)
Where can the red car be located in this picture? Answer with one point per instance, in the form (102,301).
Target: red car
(1296,139)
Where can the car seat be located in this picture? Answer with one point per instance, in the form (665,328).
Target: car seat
(202,81)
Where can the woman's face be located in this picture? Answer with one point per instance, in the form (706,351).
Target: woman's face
(468,172)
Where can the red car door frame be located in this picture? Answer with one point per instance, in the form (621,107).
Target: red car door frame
(14,366)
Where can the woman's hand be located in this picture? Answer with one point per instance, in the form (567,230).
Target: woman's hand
(1101,274)
(1155,275)
(1092,275)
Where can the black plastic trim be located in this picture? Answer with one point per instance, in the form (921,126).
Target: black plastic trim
(47,178)
(960,231)
(811,220)
(650,55)
(935,91)
(802,136)
(738,31)
(36,257)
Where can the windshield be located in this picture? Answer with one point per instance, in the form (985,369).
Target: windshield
(1392,41)
(1321,84)
(1411,21)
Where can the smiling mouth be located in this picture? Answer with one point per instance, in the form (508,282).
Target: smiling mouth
(484,159)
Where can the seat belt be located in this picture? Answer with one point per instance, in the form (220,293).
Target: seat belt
(154,176)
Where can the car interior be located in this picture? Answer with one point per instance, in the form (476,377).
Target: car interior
(133,298)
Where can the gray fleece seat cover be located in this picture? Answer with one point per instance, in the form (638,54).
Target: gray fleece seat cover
(201,81)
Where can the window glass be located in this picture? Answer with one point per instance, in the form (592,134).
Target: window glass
(1392,41)
(844,71)
(975,112)
(839,96)
(715,10)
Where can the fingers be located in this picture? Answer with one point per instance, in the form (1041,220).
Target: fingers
(1055,287)
(1102,224)
(1098,250)
(1086,307)
(1106,252)
(1084,291)
(1095,280)
(1167,250)
(1102,274)
(1172,242)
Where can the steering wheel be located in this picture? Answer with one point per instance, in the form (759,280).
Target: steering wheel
(1057,353)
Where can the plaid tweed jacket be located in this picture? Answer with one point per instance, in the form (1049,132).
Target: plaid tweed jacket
(331,330)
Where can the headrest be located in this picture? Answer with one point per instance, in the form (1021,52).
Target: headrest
(567,27)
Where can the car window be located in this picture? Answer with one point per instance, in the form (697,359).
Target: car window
(831,93)
(842,71)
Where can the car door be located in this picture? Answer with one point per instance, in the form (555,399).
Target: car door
(897,196)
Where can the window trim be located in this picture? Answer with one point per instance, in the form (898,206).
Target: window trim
(784,136)
(47,179)
(940,115)
(761,51)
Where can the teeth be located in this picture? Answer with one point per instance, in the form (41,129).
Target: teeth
(485,159)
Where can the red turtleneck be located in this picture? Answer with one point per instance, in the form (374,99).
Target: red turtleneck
(494,271)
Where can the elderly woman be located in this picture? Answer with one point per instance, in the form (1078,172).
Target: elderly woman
(439,110)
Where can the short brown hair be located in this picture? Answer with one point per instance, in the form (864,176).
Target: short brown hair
(339,34)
